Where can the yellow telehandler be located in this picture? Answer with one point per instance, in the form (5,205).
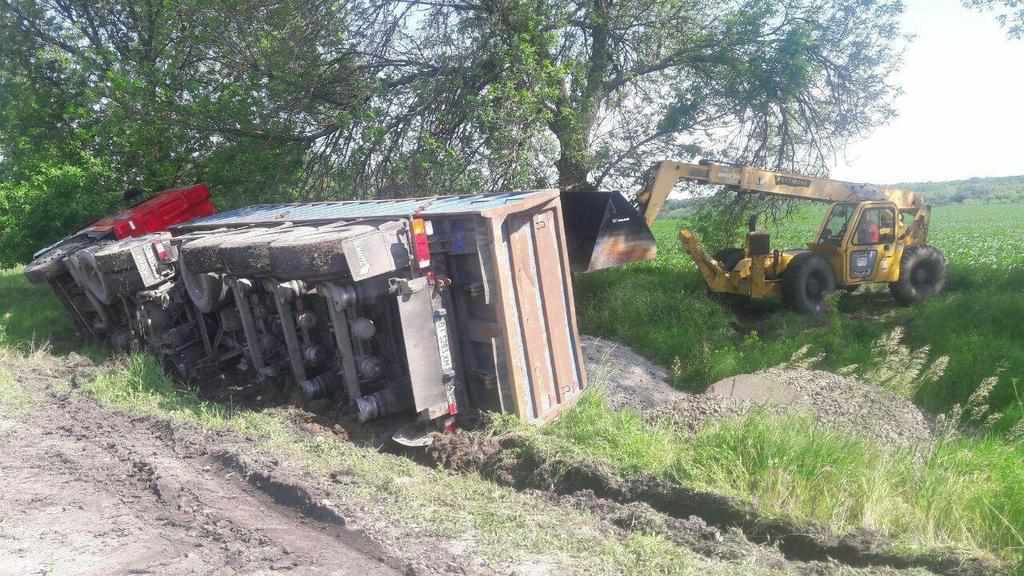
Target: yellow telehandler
(871,234)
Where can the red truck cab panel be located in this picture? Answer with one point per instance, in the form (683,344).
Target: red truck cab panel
(158,213)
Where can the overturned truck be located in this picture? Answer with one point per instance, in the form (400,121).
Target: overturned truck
(432,308)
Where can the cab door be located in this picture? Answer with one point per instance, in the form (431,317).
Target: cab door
(872,245)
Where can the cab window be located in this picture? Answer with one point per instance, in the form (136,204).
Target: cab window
(876,226)
(838,221)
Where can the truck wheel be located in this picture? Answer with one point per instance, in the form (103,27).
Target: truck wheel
(206,290)
(806,282)
(118,258)
(82,265)
(202,250)
(51,264)
(922,274)
(249,255)
(730,257)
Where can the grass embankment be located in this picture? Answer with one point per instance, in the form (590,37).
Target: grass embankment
(30,315)
(504,524)
(966,494)
(963,349)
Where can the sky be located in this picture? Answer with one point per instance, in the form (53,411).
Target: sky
(962,111)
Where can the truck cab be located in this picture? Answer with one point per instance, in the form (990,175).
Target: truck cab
(859,239)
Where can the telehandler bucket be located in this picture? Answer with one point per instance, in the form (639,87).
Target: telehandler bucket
(604,230)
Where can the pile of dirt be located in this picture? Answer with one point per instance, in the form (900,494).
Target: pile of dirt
(840,402)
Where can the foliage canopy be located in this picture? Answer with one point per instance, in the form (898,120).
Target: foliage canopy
(289,99)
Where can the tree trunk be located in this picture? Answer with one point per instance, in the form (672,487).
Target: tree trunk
(574,127)
(573,163)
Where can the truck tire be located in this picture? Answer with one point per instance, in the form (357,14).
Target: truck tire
(51,264)
(249,256)
(203,251)
(205,289)
(117,257)
(83,268)
(730,257)
(806,282)
(922,274)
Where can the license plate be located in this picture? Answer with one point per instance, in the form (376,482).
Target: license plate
(442,344)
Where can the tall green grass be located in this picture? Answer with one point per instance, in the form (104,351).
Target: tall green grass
(964,493)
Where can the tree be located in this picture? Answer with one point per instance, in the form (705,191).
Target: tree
(159,93)
(164,87)
(272,99)
(608,86)
(1009,13)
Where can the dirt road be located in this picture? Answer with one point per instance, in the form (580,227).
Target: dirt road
(84,490)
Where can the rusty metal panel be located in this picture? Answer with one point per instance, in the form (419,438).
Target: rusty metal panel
(533,289)
(526,287)
(556,315)
(513,371)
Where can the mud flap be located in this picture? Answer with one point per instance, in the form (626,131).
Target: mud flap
(425,334)
(604,230)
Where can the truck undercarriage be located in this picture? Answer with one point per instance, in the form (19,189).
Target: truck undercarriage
(433,308)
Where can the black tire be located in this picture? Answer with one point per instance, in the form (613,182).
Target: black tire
(87,275)
(922,274)
(806,282)
(206,290)
(125,283)
(102,323)
(730,257)
(249,256)
(117,257)
(51,263)
(203,251)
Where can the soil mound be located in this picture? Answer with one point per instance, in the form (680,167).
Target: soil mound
(841,402)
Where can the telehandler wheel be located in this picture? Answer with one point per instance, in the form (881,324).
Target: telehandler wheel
(806,282)
(729,257)
(922,274)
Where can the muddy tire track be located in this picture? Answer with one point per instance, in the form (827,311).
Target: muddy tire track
(87,490)
(675,511)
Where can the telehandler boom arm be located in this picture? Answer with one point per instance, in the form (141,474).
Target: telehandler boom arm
(751,180)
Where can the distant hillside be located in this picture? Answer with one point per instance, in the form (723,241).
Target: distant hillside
(996,190)
(1004,189)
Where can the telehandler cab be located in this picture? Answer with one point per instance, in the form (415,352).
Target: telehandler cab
(871,234)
